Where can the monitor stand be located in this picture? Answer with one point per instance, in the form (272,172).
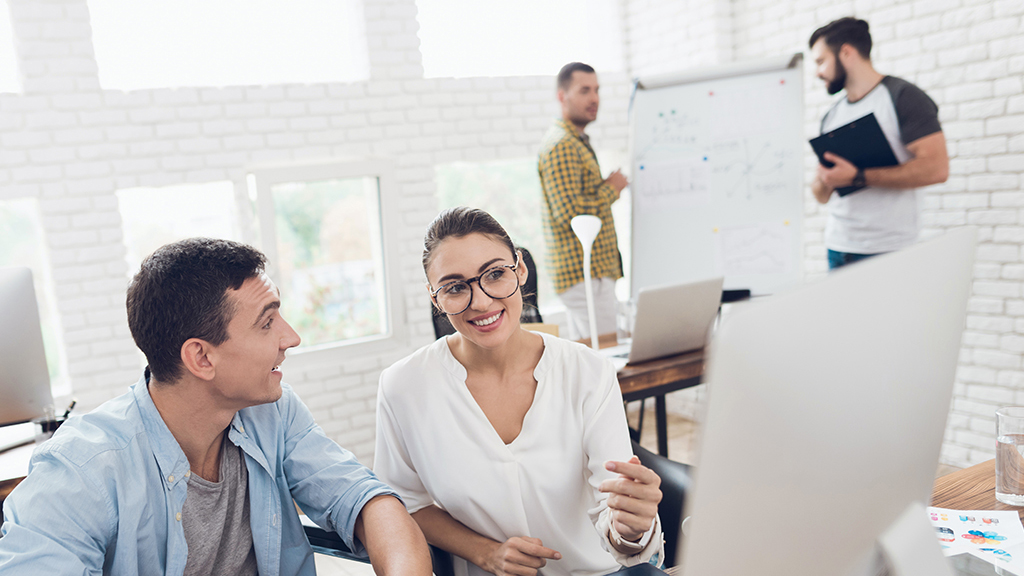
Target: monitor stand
(910,546)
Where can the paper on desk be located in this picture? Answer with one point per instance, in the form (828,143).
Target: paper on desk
(995,536)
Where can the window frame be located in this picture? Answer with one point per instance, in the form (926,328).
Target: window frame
(264,178)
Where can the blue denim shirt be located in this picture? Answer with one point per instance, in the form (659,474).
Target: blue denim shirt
(105,493)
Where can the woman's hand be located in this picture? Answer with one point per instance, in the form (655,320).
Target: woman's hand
(520,556)
(633,497)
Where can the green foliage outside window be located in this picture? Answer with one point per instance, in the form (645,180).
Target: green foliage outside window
(330,273)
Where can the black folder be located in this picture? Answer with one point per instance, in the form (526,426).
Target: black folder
(861,142)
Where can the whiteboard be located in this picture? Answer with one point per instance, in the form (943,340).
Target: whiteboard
(717,176)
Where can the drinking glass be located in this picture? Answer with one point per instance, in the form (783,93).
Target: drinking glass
(1010,455)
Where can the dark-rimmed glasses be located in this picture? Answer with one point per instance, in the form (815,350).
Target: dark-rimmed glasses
(455,297)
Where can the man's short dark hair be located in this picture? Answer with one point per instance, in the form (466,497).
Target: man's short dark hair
(565,74)
(180,292)
(846,30)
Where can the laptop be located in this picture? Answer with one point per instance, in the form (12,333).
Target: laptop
(670,320)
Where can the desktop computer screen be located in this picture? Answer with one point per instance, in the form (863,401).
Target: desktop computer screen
(24,376)
(826,412)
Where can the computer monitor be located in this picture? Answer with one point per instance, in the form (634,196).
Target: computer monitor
(826,412)
(24,377)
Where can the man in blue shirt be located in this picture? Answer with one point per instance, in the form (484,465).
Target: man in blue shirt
(195,469)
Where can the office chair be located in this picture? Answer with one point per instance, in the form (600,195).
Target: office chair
(675,481)
(531,311)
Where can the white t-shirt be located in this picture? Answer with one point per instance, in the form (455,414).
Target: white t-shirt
(435,445)
(873,219)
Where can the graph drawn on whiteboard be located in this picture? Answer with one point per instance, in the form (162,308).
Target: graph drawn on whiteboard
(670,128)
(745,167)
(673,183)
(765,248)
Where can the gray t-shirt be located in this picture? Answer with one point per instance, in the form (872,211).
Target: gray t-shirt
(874,219)
(215,518)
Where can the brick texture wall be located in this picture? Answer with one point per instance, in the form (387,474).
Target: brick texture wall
(72,145)
(969,56)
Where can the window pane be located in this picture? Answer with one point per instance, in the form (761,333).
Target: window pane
(9,81)
(330,267)
(164,43)
(152,217)
(525,37)
(21,235)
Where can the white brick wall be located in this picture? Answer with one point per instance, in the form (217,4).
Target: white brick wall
(72,145)
(969,56)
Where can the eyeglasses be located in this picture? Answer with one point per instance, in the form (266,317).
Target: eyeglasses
(498,283)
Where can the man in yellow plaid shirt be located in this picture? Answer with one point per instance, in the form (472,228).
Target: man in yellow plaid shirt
(571,180)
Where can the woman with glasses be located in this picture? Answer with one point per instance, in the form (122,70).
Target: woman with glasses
(510,448)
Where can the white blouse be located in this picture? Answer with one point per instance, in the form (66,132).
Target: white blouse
(436,446)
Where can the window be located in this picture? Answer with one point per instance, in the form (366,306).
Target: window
(152,217)
(9,81)
(323,229)
(510,191)
(527,37)
(164,43)
(21,235)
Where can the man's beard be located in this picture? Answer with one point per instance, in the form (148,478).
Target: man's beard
(838,82)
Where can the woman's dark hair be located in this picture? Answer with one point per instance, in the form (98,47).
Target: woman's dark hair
(462,221)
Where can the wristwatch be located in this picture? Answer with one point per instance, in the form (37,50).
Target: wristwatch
(859,180)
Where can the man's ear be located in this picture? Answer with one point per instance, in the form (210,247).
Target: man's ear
(195,355)
(561,95)
(847,51)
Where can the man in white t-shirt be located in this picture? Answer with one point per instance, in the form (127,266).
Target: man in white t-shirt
(883,215)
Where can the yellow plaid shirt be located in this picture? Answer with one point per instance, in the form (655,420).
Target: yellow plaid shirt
(571,180)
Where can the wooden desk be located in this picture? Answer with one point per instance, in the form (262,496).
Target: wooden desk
(972,488)
(657,378)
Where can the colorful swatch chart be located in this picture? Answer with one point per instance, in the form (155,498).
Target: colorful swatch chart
(995,536)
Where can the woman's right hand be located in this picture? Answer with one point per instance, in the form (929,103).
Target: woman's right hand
(520,556)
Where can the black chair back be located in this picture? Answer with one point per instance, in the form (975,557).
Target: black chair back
(675,481)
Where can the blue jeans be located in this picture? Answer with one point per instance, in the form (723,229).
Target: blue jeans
(837,259)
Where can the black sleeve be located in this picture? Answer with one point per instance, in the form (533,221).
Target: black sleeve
(917,113)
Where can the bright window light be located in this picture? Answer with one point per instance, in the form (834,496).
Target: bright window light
(166,44)
(152,217)
(330,263)
(460,38)
(21,235)
(9,81)
(330,234)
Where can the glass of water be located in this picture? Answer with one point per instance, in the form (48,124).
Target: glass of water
(1010,455)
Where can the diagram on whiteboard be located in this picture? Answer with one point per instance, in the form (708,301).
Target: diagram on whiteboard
(749,166)
(717,186)
(673,183)
(672,128)
(758,249)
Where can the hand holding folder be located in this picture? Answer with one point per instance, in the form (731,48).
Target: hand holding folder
(861,142)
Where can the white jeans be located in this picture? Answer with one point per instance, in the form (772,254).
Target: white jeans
(606,308)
